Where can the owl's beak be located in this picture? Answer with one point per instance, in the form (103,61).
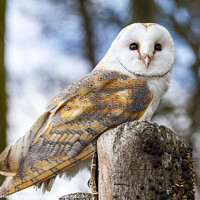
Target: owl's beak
(146,59)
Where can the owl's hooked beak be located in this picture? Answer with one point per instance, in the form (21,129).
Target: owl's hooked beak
(146,59)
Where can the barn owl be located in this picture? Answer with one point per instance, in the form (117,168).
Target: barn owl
(126,85)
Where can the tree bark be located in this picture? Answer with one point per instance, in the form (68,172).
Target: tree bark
(77,196)
(142,160)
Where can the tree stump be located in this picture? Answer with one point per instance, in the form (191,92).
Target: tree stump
(144,161)
(77,196)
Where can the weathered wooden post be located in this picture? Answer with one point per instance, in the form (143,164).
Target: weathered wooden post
(144,161)
(77,196)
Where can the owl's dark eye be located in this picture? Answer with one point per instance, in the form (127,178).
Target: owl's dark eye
(158,47)
(133,46)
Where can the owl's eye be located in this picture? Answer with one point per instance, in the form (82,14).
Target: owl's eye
(133,46)
(158,47)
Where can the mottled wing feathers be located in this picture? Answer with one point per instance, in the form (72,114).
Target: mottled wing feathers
(84,110)
(11,157)
(81,87)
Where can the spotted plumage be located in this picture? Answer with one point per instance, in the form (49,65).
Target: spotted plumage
(63,136)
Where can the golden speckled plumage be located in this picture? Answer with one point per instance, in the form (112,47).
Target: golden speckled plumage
(76,117)
(126,85)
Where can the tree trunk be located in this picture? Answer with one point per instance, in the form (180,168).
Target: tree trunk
(141,160)
(143,11)
(87,26)
(3,105)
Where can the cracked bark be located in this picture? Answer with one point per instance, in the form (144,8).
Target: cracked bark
(144,161)
(77,196)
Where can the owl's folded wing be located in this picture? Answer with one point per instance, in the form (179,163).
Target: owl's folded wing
(75,118)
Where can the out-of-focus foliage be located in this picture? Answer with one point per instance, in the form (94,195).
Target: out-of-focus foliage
(84,29)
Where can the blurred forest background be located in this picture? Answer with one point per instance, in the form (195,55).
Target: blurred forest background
(48,44)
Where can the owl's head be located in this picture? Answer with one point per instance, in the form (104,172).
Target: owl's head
(145,49)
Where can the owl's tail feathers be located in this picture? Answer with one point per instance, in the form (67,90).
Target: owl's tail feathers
(14,184)
(3,188)
(11,157)
(43,173)
(7,167)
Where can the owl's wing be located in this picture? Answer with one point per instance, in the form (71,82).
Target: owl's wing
(74,119)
